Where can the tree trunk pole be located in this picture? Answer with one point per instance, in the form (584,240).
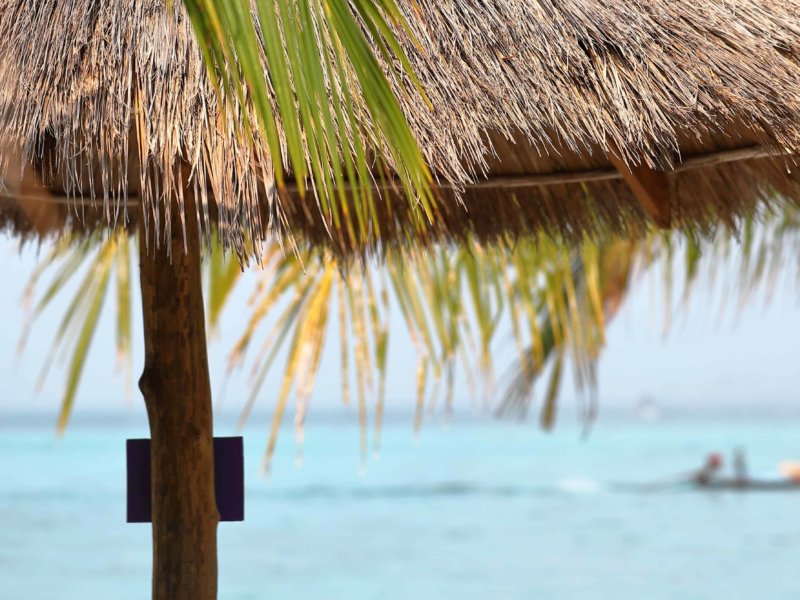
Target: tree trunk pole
(177,392)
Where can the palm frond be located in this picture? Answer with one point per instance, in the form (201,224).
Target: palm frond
(303,75)
(556,299)
(96,258)
(85,267)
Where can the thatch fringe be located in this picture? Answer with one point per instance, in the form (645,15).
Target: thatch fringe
(91,91)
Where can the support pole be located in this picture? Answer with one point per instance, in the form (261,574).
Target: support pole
(650,187)
(177,392)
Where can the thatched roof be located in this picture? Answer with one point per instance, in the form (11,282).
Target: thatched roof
(540,109)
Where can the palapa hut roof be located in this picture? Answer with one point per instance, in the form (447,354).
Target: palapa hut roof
(569,116)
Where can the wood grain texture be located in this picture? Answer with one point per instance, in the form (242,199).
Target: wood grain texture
(177,391)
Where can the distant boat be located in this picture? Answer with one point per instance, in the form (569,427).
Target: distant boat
(716,485)
(790,469)
(748,485)
(707,478)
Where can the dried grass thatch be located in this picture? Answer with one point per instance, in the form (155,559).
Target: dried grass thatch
(530,100)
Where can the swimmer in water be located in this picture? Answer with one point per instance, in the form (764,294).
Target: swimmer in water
(711,467)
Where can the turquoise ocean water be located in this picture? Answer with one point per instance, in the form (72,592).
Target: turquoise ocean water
(475,510)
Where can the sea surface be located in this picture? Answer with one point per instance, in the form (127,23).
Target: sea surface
(470,510)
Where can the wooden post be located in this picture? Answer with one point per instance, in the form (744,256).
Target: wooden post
(177,392)
(650,187)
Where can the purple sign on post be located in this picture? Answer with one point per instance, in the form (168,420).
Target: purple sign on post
(228,479)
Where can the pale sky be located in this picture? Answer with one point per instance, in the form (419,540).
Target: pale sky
(704,360)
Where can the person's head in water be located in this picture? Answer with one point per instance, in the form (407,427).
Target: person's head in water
(712,465)
(714,461)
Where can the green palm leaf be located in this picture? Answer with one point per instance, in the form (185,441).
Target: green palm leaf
(321,98)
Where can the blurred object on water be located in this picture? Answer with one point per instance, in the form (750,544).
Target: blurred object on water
(790,469)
